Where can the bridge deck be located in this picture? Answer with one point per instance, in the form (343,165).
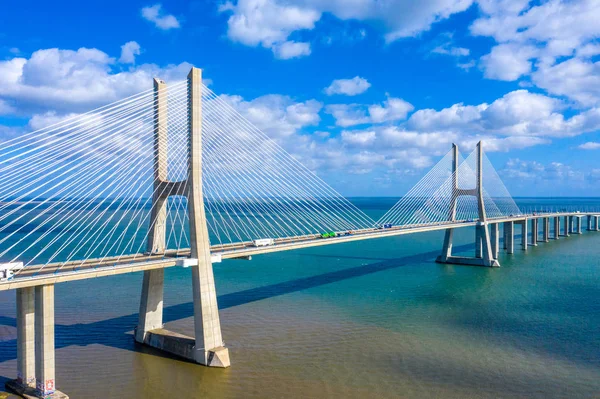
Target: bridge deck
(77,270)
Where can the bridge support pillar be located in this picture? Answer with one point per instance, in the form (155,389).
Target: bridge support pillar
(509,237)
(571,225)
(151,304)
(546,229)
(25,340)
(589,222)
(534,232)
(566,227)
(35,344)
(579,224)
(478,244)
(556,227)
(524,235)
(495,240)
(596,223)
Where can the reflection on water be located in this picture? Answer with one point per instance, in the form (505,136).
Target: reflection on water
(369,319)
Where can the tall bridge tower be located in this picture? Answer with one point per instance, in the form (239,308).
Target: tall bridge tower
(483,246)
(207,346)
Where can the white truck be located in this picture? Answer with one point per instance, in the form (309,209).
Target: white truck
(7,270)
(263,242)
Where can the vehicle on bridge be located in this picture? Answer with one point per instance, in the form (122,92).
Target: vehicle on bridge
(263,242)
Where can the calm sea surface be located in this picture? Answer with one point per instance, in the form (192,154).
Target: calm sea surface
(374,318)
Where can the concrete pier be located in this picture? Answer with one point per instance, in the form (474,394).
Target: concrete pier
(495,239)
(556,227)
(151,304)
(589,222)
(546,229)
(44,340)
(566,228)
(596,223)
(534,232)
(579,224)
(524,234)
(25,338)
(509,237)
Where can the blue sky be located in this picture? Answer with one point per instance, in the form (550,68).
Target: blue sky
(369,94)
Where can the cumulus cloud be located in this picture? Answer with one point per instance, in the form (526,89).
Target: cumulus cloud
(277,115)
(518,113)
(128,52)
(508,61)
(348,87)
(552,42)
(157,16)
(269,23)
(291,49)
(575,78)
(590,145)
(74,81)
(392,109)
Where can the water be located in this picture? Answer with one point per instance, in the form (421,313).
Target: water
(373,318)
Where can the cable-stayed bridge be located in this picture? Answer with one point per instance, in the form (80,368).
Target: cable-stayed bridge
(175,176)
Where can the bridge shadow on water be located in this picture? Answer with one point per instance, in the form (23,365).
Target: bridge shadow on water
(115,332)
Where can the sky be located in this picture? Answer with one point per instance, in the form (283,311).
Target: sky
(369,94)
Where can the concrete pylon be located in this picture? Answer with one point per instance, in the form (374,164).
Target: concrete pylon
(206,347)
(484,254)
(209,349)
(556,227)
(151,302)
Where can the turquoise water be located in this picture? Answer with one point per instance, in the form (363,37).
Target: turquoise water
(373,318)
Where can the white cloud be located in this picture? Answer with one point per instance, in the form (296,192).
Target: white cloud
(277,115)
(74,81)
(291,49)
(532,171)
(575,78)
(156,15)
(393,109)
(518,113)
(128,52)
(590,145)
(551,41)
(508,61)
(348,87)
(6,108)
(269,23)
(360,138)
(453,51)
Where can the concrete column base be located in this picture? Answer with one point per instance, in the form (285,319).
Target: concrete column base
(185,347)
(462,260)
(30,392)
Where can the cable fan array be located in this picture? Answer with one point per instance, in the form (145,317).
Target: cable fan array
(436,198)
(82,188)
(254,189)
